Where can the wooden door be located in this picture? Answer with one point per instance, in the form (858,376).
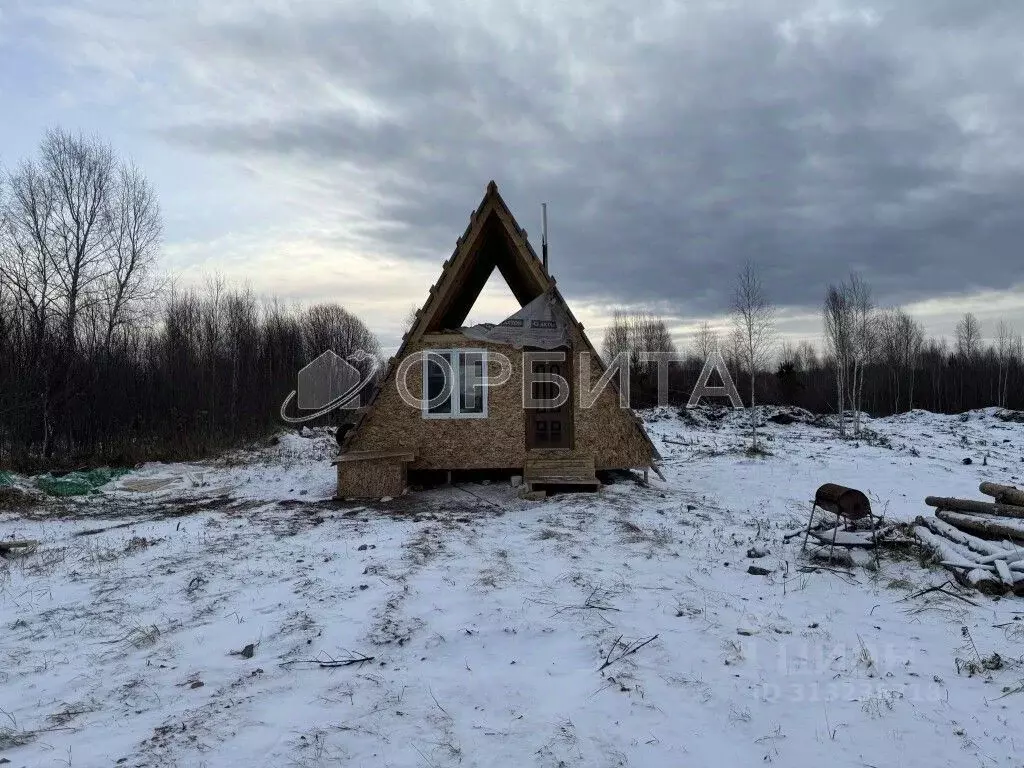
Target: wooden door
(551,427)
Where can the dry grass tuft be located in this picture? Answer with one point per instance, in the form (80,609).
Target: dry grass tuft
(660,536)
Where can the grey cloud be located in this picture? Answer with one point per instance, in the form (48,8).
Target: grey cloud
(668,156)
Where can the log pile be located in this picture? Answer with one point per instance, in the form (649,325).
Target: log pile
(981,542)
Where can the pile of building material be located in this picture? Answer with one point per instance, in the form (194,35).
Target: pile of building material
(981,542)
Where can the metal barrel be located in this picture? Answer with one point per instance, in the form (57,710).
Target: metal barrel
(840,500)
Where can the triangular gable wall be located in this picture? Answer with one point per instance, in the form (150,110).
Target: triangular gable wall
(477,253)
(492,240)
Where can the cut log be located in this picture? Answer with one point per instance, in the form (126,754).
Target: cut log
(980,507)
(1017,574)
(1004,572)
(943,549)
(1001,527)
(960,561)
(971,542)
(962,566)
(7,546)
(1009,555)
(1003,494)
(983,581)
(983,578)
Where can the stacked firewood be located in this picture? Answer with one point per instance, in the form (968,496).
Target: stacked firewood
(981,542)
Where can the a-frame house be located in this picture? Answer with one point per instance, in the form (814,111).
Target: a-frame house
(478,422)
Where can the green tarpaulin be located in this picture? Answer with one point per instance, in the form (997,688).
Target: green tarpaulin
(77,483)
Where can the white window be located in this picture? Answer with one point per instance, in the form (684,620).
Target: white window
(455,384)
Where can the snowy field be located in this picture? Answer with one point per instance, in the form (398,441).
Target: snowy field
(211,623)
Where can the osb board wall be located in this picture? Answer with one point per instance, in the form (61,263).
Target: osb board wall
(375,478)
(495,442)
(605,431)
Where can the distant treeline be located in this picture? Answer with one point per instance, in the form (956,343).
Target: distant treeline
(897,367)
(940,381)
(104,363)
(210,373)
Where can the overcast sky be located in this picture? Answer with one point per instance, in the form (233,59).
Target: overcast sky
(333,150)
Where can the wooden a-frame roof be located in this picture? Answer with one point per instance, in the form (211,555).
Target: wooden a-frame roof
(492,240)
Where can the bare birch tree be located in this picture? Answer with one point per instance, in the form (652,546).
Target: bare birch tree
(706,341)
(968,337)
(806,356)
(616,337)
(968,349)
(79,239)
(900,341)
(135,230)
(636,332)
(862,338)
(1004,353)
(838,319)
(733,353)
(754,319)
(79,176)
(1016,359)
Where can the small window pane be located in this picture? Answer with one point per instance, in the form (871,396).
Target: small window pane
(472,392)
(435,383)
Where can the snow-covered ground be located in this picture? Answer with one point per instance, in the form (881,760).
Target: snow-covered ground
(190,634)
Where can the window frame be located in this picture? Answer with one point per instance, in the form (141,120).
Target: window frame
(454,356)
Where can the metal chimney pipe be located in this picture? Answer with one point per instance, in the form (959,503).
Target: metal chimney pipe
(544,235)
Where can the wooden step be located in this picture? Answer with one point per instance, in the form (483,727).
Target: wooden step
(549,468)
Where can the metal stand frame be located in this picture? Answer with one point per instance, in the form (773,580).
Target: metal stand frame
(840,520)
